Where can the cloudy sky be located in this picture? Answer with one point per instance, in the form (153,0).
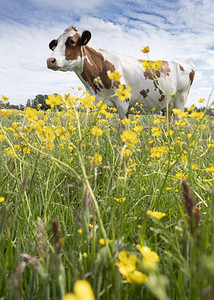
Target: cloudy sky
(182,29)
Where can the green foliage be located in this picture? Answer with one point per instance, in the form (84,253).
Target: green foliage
(73,199)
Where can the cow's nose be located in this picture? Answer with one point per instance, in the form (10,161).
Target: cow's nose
(51,62)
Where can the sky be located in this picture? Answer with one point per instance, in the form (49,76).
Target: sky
(174,30)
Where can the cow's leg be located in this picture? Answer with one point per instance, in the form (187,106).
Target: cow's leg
(180,102)
(122,108)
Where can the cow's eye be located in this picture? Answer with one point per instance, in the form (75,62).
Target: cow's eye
(53,45)
(70,41)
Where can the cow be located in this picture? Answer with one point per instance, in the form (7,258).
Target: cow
(169,85)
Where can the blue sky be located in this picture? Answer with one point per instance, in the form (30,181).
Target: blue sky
(174,30)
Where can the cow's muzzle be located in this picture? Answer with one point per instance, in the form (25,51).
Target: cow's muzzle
(51,63)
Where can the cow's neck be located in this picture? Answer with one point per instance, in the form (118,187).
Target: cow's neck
(95,66)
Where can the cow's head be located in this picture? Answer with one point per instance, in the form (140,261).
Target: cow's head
(67,50)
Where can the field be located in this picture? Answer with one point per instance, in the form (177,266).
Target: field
(89,203)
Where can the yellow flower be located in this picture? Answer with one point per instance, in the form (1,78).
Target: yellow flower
(207,180)
(88,100)
(147,64)
(79,88)
(102,242)
(195,167)
(169,188)
(9,152)
(210,169)
(202,127)
(196,115)
(54,100)
(155,131)
(138,128)
(97,131)
(96,160)
(120,199)
(156,121)
(82,291)
(146,49)
(31,114)
(126,121)
(115,76)
(191,107)
(129,137)
(180,176)
(123,92)
(156,65)
(127,268)
(201,100)
(126,152)
(5,112)
(80,231)
(158,151)
(150,259)
(169,133)
(4,97)
(156,214)
(2,199)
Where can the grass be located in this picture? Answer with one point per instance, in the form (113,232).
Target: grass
(68,213)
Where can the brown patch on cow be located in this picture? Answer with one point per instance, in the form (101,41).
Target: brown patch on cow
(162,95)
(181,67)
(96,66)
(73,47)
(144,93)
(191,76)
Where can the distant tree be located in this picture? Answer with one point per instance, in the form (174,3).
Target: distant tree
(39,99)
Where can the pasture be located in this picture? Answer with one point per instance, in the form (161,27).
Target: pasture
(86,203)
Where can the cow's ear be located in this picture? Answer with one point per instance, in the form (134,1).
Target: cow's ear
(85,38)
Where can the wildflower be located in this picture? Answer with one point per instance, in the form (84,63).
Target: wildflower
(184,159)
(156,65)
(9,152)
(156,121)
(176,111)
(115,76)
(126,121)
(180,176)
(88,100)
(54,100)
(123,92)
(169,188)
(169,133)
(126,153)
(97,131)
(31,114)
(102,242)
(150,258)
(191,107)
(138,128)
(158,151)
(156,214)
(155,131)
(127,268)
(201,100)
(147,64)
(62,133)
(192,144)
(5,112)
(80,231)
(202,127)
(120,199)
(96,160)
(195,167)
(4,97)
(196,115)
(210,169)
(79,88)
(2,199)
(82,290)
(180,123)
(207,180)
(129,137)
(146,49)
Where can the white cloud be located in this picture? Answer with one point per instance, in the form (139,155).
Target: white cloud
(177,34)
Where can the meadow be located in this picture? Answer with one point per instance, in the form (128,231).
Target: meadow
(95,208)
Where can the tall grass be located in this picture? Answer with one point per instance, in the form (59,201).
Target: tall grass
(73,198)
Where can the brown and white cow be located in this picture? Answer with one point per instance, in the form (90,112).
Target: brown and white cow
(71,53)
